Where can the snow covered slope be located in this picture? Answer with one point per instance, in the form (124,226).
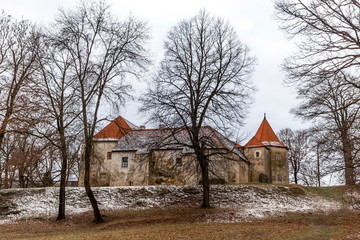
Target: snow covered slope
(242,202)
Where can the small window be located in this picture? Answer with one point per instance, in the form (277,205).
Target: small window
(279,177)
(278,157)
(125,162)
(178,162)
(109,155)
(257,154)
(103,177)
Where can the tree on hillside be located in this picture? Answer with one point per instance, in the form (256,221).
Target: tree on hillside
(19,44)
(325,70)
(298,144)
(322,154)
(203,80)
(59,106)
(336,105)
(102,50)
(28,161)
(322,160)
(327,34)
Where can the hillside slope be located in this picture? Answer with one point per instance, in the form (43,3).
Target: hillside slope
(240,202)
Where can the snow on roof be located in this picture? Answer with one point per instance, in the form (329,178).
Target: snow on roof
(107,139)
(144,140)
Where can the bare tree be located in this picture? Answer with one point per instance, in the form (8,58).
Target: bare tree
(336,105)
(57,95)
(325,70)
(322,160)
(8,147)
(27,161)
(102,49)
(327,34)
(203,79)
(19,43)
(298,144)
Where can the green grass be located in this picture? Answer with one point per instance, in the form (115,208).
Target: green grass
(335,192)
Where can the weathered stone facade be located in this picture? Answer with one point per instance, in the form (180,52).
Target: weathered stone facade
(132,160)
(269,162)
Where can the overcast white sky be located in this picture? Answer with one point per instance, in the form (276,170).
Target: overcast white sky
(252,19)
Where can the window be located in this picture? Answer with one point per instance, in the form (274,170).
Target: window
(278,157)
(125,162)
(178,162)
(103,178)
(109,155)
(279,177)
(257,154)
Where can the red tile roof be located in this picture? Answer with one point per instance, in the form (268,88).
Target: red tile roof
(265,136)
(254,142)
(115,129)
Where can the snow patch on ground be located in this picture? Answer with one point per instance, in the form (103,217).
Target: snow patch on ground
(353,196)
(240,202)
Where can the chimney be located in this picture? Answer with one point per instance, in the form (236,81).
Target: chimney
(142,127)
(161,126)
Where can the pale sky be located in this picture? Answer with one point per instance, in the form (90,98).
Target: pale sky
(253,20)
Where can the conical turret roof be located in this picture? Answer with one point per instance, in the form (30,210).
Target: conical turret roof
(265,136)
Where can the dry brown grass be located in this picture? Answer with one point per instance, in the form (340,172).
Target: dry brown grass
(187,223)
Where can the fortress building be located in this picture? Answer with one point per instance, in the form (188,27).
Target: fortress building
(125,154)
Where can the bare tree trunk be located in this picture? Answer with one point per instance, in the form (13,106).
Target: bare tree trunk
(4,124)
(318,165)
(204,165)
(296,170)
(62,197)
(6,177)
(21,180)
(89,192)
(349,163)
(10,178)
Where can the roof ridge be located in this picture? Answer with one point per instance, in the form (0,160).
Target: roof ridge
(117,128)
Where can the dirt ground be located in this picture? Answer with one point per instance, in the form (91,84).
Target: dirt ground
(187,223)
